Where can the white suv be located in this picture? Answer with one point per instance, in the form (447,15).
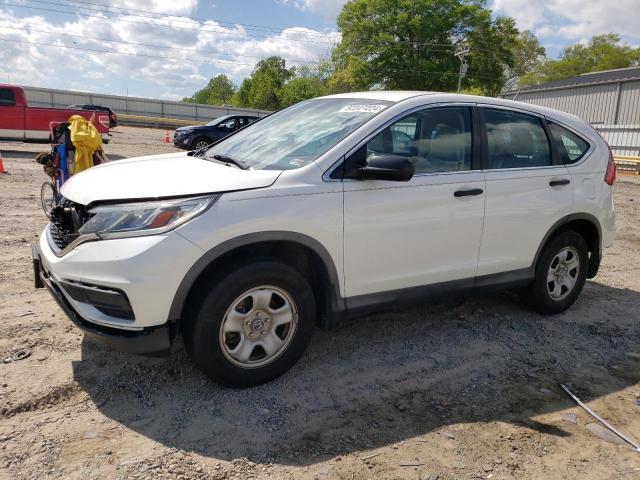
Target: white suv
(334,207)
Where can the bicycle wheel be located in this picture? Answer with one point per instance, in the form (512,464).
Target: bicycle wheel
(48,197)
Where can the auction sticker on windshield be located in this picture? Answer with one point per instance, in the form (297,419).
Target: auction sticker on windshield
(362,108)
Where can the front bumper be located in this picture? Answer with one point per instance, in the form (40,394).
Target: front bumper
(182,141)
(148,270)
(152,341)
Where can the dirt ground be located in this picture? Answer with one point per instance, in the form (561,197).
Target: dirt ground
(463,389)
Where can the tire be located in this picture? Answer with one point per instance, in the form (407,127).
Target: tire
(250,301)
(555,289)
(200,142)
(48,197)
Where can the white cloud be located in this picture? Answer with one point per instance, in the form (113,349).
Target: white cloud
(527,14)
(178,72)
(172,7)
(326,8)
(574,19)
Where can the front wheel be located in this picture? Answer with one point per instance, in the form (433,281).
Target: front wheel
(252,325)
(201,143)
(560,275)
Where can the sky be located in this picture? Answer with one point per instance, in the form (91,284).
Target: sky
(170,48)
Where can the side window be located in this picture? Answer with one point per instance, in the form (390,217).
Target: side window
(516,140)
(7,97)
(228,124)
(570,146)
(434,140)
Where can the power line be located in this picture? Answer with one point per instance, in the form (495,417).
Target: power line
(152,14)
(162,57)
(111,52)
(123,42)
(413,46)
(166,47)
(203,28)
(130,54)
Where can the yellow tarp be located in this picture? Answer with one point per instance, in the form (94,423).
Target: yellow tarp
(86,139)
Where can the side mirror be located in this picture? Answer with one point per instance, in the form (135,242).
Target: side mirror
(394,168)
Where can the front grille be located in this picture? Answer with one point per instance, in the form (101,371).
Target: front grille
(65,221)
(58,236)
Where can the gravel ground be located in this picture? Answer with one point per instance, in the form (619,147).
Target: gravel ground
(466,388)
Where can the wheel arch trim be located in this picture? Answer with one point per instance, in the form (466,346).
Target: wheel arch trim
(593,266)
(192,276)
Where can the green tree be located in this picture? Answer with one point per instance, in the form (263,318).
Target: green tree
(263,89)
(302,88)
(344,78)
(603,52)
(218,91)
(528,56)
(411,44)
(241,97)
(309,81)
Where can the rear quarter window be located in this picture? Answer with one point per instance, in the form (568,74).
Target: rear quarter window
(570,146)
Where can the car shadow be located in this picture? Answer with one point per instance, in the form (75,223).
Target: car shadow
(382,379)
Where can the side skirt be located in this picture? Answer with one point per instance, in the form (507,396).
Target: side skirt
(383,301)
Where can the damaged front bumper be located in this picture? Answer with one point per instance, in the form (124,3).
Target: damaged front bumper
(151,341)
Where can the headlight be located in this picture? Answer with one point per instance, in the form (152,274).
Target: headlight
(144,218)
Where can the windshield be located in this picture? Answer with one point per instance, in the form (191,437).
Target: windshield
(298,135)
(216,121)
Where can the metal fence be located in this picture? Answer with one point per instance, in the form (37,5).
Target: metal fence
(144,107)
(612,108)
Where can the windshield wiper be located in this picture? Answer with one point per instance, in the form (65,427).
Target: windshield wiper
(199,152)
(238,163)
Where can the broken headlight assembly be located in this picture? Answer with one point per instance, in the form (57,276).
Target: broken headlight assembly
(144,218)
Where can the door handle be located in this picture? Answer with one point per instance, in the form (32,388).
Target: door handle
(559,183)
(467,193)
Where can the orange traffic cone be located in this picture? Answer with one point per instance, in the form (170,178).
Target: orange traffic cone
(166,137)
(2,170)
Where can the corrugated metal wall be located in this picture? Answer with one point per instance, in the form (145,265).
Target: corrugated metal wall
(614,109)
(623,140)
(44,97)
(595,104)
(629,113)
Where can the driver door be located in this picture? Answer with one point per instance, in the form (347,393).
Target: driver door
(399,235)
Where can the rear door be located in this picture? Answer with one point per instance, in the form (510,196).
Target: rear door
(11,116)
(528,188)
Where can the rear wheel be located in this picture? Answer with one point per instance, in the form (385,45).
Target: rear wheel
(560,274)
(252,325)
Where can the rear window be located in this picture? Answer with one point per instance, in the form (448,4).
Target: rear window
(570,146)
(7,97)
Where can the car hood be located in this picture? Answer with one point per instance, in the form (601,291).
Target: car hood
(156,176)
(193,127)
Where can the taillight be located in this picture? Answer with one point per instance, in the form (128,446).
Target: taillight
(610,175)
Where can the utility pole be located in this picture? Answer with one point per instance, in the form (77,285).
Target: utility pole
(463,66)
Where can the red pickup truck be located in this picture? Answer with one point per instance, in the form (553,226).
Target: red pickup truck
(18,121)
